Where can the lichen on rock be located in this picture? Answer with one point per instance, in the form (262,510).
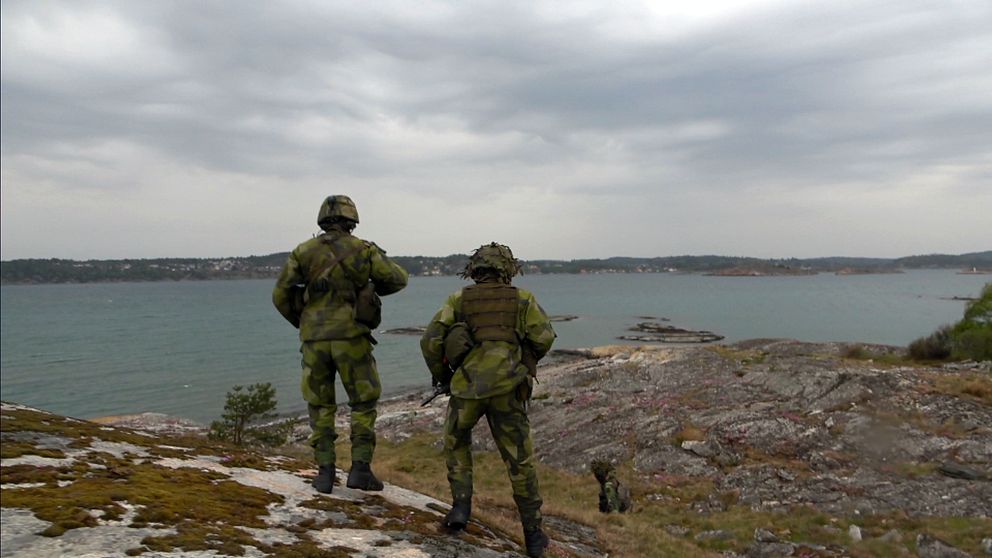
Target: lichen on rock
(76,488)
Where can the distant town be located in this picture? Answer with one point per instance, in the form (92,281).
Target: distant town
(37,271)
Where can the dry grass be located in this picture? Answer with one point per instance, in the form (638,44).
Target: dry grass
(743,356)
(973,385)
(418,465)
(659,501)
(689,432)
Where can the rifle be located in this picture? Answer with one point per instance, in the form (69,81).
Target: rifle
(439,389)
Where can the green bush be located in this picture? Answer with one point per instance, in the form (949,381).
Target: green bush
(936,346)
(969,339)
(979,311)
(244,410)
(973,344)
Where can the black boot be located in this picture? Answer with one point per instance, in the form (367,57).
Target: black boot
(536,541)
(324,481)
(457,518)
(361,477)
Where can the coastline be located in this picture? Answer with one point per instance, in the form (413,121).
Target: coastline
(727,439)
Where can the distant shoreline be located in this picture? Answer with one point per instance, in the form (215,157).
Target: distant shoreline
(62,271)
(722,273)
(727,273)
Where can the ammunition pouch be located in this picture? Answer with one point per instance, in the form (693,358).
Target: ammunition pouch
(320,286)
(457,344)
(368,306)
(297,302)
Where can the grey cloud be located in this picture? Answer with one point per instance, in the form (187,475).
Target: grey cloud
(444,98)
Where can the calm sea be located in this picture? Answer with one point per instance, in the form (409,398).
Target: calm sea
(177,348)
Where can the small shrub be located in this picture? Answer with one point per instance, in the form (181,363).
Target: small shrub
(243,411)
(936,346)
(969,339)
(855,352)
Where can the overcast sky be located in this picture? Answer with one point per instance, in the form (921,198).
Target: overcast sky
(564,129)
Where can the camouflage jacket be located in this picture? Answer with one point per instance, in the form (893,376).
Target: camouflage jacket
(330,313)
(492,367)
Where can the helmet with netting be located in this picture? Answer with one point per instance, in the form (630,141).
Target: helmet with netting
(602,469)
(492,258)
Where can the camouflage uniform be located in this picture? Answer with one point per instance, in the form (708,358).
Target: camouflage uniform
(332,341)
(494,382)
(613,497)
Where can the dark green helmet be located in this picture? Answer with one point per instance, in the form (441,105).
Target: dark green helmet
(495,257)
(337,207)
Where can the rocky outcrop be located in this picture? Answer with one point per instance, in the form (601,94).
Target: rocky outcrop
(653,332)
(77,488)
(770,426)
(780,422)
(883,457)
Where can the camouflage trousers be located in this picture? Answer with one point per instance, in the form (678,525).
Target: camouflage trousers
(507,418)
(353,361)
(609,496)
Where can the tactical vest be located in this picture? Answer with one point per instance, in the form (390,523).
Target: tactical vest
(490,310)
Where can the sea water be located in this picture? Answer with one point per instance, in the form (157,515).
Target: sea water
(178,347)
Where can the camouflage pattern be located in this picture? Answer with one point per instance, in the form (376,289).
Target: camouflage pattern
(492,367)
(510,427)
(492,256)
(494,382)
(330,314)
(613,497)
(337,206)
(353,361)
(332,341)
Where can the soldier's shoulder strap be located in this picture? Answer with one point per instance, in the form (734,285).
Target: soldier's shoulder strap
(335,258)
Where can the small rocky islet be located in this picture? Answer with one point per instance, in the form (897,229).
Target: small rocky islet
(419,330)
(655,332)
(650,330)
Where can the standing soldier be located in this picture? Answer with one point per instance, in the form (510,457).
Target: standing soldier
(329,289)
(484,344)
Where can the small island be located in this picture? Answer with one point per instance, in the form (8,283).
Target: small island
(662,333)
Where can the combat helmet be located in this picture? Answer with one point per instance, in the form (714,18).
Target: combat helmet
(338,206)
(494,256)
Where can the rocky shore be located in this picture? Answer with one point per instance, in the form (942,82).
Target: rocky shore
(757,448)
(874,446)
(79,488)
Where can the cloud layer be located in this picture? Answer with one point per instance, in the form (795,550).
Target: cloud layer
(780,129)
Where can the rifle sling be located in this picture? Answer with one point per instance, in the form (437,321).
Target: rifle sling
(333,263)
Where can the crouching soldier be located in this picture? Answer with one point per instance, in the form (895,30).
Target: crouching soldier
(613,497)
(508,332)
